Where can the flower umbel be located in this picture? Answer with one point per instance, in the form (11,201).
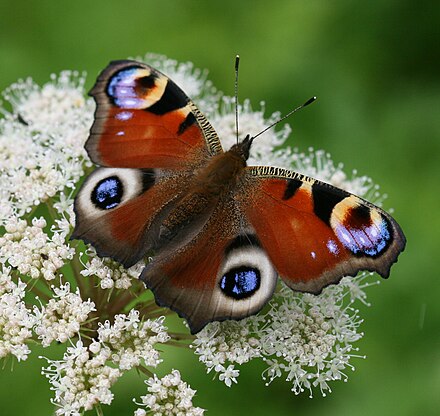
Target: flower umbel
(55,290)
(168,395)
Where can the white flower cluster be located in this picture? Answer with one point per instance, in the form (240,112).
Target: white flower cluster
(81,379)
(84,376)
(31,251)
(221,343)
(16,321)
(305,337)
(132,340)
(61,318)
(111,274)
(168,396)
(309,338)
(41,141)
(319,165)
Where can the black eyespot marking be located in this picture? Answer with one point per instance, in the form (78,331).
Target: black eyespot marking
(172,99)
(243,240)
(107,194)
(148,179)
(360,215)
(189,121)
(144,84)
(292,186)
(325,199)
(240,282)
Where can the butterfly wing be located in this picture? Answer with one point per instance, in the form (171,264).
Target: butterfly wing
(150,138)
(223,273)
(315,233)
(143,119)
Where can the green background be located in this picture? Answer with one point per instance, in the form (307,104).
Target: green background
(375,68)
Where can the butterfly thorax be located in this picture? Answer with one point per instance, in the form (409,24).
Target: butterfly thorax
(211,184)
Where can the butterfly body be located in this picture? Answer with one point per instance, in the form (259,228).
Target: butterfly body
(221,231)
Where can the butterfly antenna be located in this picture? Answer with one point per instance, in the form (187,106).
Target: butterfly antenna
(237,61)
(309,101)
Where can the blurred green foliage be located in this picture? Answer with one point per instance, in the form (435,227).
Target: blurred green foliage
(375,68)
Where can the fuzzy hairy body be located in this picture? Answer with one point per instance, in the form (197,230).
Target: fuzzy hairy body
(210,186)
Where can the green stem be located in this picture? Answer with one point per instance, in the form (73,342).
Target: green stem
(122,302)
(98,410)
(76,267)
(145,371)
(176,344)
(161,312)
(149,306)
(104,302)
(34,289)
(179,336)
(52,212)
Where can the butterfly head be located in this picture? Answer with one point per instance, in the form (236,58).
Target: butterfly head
(242,148)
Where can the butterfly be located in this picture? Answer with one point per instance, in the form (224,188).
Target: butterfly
(221,231)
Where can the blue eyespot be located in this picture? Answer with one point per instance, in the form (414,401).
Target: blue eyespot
(240,282)
(370,240)
(128,87)
(107,193)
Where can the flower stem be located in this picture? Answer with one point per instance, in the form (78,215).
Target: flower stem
(179,336)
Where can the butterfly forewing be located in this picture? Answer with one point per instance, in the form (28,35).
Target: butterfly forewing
(143,119)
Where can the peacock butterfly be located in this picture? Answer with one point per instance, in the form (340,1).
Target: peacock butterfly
(221,231)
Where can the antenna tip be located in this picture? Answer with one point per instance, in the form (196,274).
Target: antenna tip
(237,60)
(309,101)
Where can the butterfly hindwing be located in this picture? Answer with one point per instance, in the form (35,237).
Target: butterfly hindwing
(223,273)
(315,233)
(143,119)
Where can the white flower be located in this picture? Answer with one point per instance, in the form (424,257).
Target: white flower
(81,379)
(54,107)
(16,321)
(319,165)
(31,251)
(132,340)
(61,318)
(228,342)
(41,141)
(306,336)
(168,396)
(228,375)
(110,272)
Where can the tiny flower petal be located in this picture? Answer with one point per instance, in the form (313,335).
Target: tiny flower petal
(168,396)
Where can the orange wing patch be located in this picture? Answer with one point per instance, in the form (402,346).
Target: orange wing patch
(141,138)
(300,245)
